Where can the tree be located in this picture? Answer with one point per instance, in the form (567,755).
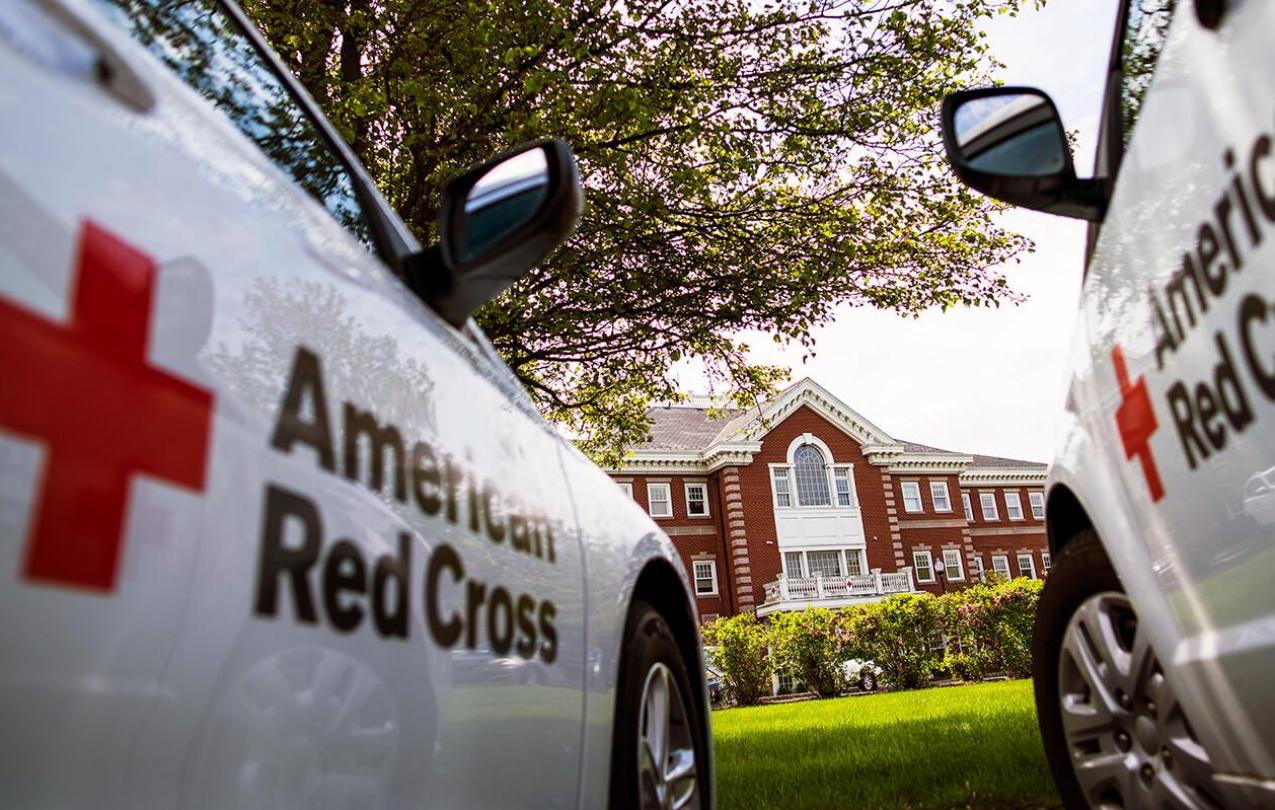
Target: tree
(748,166)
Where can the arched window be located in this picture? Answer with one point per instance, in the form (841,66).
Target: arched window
(809,468)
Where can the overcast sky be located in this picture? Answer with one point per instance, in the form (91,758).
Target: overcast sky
(984,380)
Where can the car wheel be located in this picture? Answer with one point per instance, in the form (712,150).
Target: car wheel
(868,683)
(659,758)
(1114,732)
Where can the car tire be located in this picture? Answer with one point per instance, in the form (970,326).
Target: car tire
(654,692)
(1102,701)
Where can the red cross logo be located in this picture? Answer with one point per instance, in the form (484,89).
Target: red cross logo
(85,391)
(1135,418)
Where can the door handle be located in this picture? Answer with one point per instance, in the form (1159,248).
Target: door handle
(55,35)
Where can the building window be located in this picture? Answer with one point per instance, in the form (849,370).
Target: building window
(1045,561)
(1013,506)
(952,562)
(824,563)
(911,496)
(854,563)
(1026,565)
(987,500)
(1038,504)
(783,495)
(659,501)
(977,568)
(1000,566)
(705,577)
(969,509)
(792,565)
(697,500)
(812,476)
(924,566)
(938,494)
(628,489)
(841,477)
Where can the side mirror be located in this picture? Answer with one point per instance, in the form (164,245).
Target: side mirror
(497,221)
(1008,142)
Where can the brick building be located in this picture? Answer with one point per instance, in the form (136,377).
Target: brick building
(805,502)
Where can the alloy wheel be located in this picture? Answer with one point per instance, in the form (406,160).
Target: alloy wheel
(666,745)
(1129,740)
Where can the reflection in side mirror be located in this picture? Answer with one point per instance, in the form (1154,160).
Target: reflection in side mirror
(1008,142)
(497,221)
(503,200)
(1011,134)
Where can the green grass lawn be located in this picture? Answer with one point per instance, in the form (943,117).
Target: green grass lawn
(965,746)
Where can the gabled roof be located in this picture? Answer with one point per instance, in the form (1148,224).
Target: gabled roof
(687,436)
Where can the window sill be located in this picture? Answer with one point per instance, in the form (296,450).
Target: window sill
(698,517)
(706,595)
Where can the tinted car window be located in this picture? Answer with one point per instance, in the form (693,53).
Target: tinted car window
(1146,28)
(212,55)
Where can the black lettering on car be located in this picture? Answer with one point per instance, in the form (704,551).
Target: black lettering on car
(344,572)
(277,561)
(305,383)
(549,647)
(444,558)
(379,439)
(391,620)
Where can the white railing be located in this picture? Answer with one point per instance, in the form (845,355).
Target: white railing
(809,589)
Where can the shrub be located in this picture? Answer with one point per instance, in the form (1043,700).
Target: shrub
(806,645)
(897,635)
(740,653)
(989,628)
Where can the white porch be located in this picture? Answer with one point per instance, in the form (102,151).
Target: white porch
(798,593)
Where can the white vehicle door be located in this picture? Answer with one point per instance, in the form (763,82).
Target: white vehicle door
(1180,312)
(272,533)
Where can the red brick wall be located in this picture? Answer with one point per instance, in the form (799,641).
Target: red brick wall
(691,546)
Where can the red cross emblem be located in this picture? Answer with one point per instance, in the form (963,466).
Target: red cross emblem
(85,391)
(1135,418)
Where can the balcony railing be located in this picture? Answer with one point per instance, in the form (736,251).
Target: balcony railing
(811,589)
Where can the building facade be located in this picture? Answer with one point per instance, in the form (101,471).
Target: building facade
(805,502)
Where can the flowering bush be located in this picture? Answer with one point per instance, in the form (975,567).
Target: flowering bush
(807,644)
(739,651)
(897,634)
(989,628)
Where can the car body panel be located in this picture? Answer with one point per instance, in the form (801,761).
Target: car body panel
(185,682)
(1174,520)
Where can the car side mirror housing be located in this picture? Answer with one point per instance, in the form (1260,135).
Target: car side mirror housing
(1008,142)
(497,221)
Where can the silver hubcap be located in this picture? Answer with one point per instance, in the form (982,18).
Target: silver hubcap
(666,745)
(1130,743)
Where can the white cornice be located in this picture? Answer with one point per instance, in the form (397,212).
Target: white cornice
(926,463)
(1003,476)
(809,392)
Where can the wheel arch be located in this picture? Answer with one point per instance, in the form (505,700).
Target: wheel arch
(660,586)
(1065,517)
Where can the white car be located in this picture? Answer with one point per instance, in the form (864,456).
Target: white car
(1155,637)
(277,527)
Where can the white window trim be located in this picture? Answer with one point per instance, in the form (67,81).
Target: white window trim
(1046,562)
(968,505)
(774,493)
(1033,497)
(668,491)
(977,570)
(854,491)
(686,487)
(695,578)
(959,576)
(1017,500)
(996,510)
(1008,572)
(627,487)
(917,554)
(903,496)
(1019,559)
(947,496)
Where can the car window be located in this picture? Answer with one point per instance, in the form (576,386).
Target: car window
(210,53)
(1146,28)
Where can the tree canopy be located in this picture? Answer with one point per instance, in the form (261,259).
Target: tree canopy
(748,164)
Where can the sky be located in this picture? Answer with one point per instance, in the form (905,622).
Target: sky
(988,381)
